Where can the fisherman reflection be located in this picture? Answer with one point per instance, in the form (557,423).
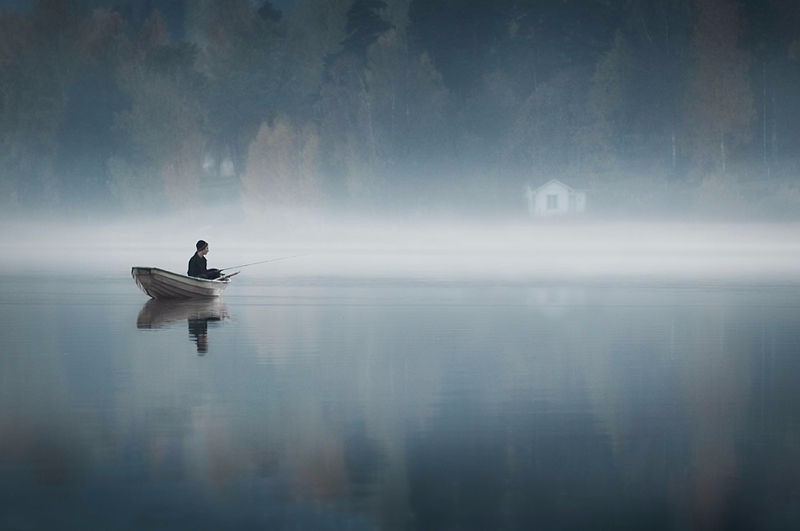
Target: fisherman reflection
(162,313)
(198,332)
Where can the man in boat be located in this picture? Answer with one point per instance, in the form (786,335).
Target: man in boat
(198,265)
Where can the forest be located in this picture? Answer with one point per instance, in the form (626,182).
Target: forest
(673,108)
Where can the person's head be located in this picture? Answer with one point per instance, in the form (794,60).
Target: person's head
(202,247)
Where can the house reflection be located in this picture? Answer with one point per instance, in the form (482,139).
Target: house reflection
(197,313)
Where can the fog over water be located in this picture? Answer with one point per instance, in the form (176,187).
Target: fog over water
(394,376)
(432,251)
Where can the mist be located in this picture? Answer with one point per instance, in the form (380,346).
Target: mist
(403,139)
(399,109)
(433,251)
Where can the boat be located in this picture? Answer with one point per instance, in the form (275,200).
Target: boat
(163,284)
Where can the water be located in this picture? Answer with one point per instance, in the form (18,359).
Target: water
(312,403)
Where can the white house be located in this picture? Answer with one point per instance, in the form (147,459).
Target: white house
(555,198)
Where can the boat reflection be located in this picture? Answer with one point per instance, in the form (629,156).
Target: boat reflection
(197,313)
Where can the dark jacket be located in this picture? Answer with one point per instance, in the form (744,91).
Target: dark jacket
(197,266)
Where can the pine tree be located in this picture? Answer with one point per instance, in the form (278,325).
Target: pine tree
(720,110)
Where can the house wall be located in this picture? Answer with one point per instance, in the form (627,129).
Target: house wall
(580,201)
(555,199)
(550,200)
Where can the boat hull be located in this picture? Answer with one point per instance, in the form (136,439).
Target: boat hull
(162,284)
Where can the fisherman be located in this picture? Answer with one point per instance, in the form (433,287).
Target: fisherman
(197,263)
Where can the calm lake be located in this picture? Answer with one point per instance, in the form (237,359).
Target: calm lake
(346,403)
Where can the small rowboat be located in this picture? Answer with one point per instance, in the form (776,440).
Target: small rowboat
(162,284)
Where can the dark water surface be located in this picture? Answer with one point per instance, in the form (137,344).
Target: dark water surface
(332,404)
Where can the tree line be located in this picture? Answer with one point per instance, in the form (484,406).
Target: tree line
(403,105)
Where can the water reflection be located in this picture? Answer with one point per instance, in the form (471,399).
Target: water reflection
(197,313)
(463,408)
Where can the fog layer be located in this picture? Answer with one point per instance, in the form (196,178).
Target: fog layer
(423,251)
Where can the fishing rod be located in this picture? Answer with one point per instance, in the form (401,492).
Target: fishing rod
(264,261)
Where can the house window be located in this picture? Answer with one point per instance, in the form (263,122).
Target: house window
(552,202)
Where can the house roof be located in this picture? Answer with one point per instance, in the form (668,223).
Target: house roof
(558,181)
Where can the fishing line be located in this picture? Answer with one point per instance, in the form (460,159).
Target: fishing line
(264,261)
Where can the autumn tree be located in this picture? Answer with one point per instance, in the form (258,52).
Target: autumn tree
(282,168)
